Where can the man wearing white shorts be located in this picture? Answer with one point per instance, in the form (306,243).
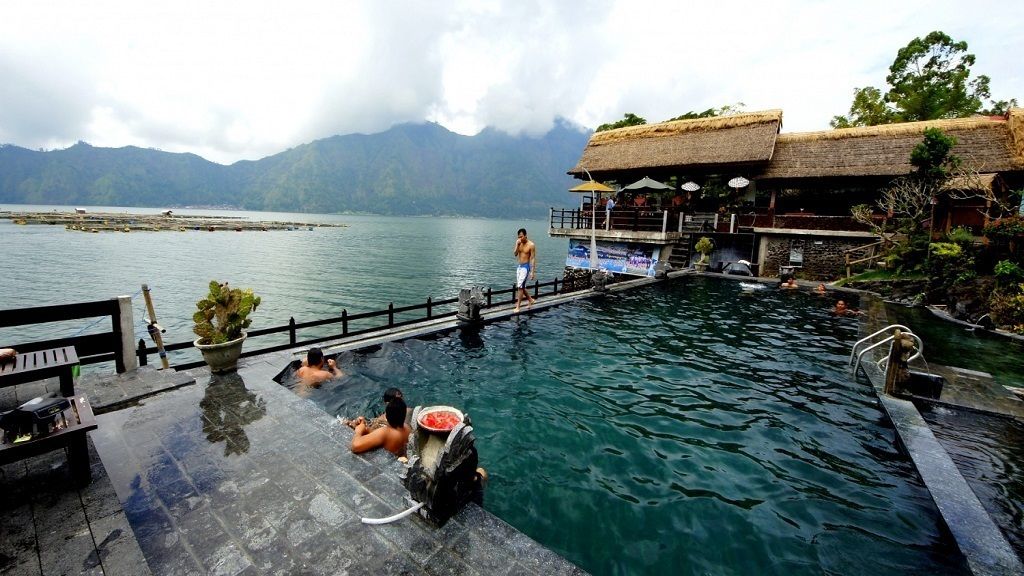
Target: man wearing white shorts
(526,254)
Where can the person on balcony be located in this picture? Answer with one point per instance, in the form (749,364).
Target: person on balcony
(609,205)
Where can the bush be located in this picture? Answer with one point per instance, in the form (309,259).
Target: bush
(1008,273)
(949,265)
(705,247)
(1007,228)
(961,235)
(1007,308)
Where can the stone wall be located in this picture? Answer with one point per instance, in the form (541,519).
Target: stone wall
(823,257)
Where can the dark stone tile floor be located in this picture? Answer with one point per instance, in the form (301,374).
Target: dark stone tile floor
(237,475)
(201,474)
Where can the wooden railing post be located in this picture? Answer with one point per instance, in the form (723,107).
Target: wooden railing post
(488,296)
(143,358)
(391,314)
(291,331)
(536,288)
(554,286)
(344,322)
(430,304)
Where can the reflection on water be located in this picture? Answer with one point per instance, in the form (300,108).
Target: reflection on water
(227,408)
(682,428)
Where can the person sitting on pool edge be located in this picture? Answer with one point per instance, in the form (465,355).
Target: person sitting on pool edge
(315,370)
(392,437)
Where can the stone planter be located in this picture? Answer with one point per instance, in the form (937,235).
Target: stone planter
(221,357)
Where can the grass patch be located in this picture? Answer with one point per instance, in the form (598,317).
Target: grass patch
(880,275)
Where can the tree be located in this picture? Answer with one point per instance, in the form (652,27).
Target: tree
(931,158)
(868,109)
(629,119)
(727,110)
(929,79)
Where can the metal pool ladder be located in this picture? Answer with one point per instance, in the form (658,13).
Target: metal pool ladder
(855,355)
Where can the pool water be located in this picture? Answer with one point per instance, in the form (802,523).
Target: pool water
(685,428)
(989,452)
(953,344)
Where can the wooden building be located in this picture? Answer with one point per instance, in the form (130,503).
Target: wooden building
(796,210)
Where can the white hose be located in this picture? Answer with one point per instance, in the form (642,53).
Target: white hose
(398,516)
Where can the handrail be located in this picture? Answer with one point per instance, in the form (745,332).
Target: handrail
(890,338)
(872,335)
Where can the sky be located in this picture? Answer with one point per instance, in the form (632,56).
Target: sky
(241,80)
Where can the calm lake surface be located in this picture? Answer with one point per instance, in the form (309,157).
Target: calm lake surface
(307,274)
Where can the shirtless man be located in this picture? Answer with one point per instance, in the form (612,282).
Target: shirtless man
(391,437)
(316,371)
(526,254)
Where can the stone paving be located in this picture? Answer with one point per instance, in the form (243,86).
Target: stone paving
(201,474)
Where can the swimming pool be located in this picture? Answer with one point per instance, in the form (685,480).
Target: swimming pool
(688,427)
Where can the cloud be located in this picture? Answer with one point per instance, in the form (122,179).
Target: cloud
(231,81)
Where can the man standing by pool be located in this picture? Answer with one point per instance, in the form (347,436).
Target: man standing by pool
(526,254)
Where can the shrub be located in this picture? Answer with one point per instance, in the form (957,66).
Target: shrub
(1006,228)
(949,265)
(1008,272)
(1007,308)
(705,247)
(961,235)
(223,313)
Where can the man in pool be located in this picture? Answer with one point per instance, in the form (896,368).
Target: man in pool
(316,370)
(391,437)
(842,310)
(789,284)
(382,420)
(526,254)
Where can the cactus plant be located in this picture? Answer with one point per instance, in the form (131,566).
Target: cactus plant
(224,313)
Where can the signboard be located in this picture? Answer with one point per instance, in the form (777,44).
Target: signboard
(619,257)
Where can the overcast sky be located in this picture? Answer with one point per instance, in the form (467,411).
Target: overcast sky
(243,80)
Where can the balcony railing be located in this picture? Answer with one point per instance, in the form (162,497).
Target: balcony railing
(659,220)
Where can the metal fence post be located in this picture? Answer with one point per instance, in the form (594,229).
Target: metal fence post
(143,358)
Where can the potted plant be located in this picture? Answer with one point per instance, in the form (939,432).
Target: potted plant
(705,247)
(220,321)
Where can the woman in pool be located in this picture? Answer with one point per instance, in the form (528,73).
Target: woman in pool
(842,310)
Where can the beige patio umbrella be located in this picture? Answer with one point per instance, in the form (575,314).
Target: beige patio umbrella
(592,186)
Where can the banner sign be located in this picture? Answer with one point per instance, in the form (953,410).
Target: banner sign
(618,257)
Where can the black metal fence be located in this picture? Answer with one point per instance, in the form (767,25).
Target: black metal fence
(362,323)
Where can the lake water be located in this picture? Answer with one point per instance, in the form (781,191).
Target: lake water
(310,275)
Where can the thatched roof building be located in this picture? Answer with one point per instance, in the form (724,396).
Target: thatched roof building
(703,143)
(751,144)
(985,144)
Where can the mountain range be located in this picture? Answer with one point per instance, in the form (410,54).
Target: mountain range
(410,169)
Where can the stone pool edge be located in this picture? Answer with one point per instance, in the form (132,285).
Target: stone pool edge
(977,536)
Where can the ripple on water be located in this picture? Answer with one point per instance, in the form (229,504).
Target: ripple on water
(681,428)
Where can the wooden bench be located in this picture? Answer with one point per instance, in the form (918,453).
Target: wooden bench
(33,366)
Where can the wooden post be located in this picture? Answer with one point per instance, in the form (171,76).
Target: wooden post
(154,328)
(897,371)
(488,296)
(143,357)
(291,331)
(429,307)
(554,288)
(391,314)
(344,322)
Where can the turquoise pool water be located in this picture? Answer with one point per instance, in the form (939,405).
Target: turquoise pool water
(685,428)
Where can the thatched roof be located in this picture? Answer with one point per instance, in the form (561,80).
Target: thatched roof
(984,143)
(979,182)
(721,140)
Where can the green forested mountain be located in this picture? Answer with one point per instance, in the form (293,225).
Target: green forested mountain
(412,169)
